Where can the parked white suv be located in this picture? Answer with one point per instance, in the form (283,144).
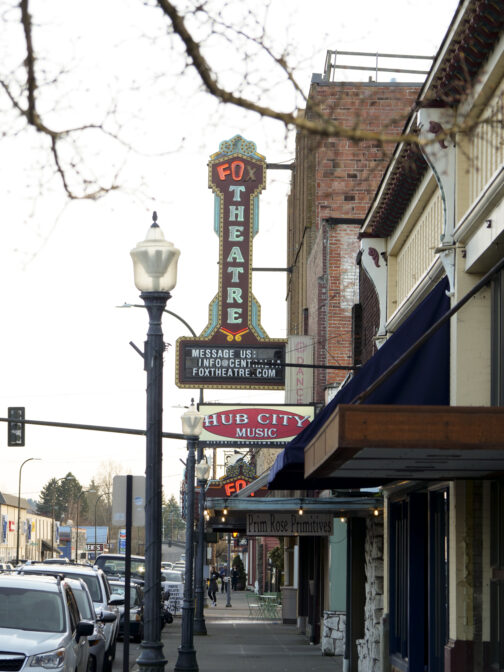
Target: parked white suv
(40,625)
(98,586)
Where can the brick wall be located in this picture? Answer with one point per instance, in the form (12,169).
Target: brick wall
(332,187)
(347,173)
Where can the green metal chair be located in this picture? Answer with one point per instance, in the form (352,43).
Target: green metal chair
(254,605)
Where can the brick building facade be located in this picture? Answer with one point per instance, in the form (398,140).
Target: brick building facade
(332,186)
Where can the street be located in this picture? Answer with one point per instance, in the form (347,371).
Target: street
(170,554)
(134,652)
(238,641)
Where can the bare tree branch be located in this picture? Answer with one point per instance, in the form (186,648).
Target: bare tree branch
(28,86)
(30,113)
(314,124)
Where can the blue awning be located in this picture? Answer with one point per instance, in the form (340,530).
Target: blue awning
(423,379)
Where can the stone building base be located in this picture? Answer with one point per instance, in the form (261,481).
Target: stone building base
(333,633)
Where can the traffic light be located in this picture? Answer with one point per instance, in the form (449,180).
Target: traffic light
(15,430)
(235,535)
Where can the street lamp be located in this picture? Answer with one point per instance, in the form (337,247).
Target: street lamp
(19,506)
(155,269)
(199,622)
(192,424)
(202,472)
(83,492)
(228,577)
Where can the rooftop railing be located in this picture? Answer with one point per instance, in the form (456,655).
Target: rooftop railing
(334,58)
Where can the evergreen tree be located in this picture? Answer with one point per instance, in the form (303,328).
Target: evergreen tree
(173,524)
(60,496)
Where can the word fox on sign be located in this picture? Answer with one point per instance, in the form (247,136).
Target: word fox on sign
(234,351)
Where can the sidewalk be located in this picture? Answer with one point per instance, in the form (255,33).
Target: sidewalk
(237,643)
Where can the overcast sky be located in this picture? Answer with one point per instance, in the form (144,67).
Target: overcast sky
(65,352)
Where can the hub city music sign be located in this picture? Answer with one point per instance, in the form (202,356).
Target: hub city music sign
(233,350)
(253,424)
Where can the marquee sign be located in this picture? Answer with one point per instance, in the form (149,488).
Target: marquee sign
(233,350)
(253,424)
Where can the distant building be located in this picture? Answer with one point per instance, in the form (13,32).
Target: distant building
(36,535)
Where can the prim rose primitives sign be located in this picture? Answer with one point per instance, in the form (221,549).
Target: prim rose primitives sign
(233,350)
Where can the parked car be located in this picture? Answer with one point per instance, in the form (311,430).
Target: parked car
(166,565)
(56,561)
(97,642)
(114,565)
(136,608)
(40,625)
(6,567)
(99,588)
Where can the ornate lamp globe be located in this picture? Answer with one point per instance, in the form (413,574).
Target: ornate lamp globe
(155,261)
(192,421)
(202,470)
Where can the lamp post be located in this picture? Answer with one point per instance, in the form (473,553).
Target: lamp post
(19,505)
(96,504)
(199,619)
(202,473)
(228,577)
(83,492)
(192,424)
(155,270)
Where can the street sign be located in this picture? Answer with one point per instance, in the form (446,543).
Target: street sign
(119,501)
(94,547)
(122,541)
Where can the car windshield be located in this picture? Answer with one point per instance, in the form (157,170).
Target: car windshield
(85,608)
(23,609)
(117,567)
(93,584)
(120,589)
(175,577)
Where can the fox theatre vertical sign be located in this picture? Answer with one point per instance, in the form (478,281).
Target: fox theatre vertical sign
(233,350)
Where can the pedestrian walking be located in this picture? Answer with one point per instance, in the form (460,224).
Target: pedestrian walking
(212,586)
(234,578)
